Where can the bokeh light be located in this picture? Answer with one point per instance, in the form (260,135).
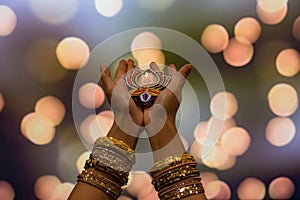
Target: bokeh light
(208,177)
(81,161)
(218,190)
(37,129)
(146,48)
(51,108)
(296,28)
(214,38)
(236,141)
(195,150)
(238,54)
(272,5)
(54,11)
(63,191)
(101,125)
(91,95)
(72,53)
(280,131)
(247,30)
(6,191)
(271,18)
(223,105)
(155,5)
(108,8)
(45,186)
(288,62)
(139,181)
(283,99)
(85,128)
(2,102)
(251,188)
(281,188)
(8,20)
(41,62)
(145,40)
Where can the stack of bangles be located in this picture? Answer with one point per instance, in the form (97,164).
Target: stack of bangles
(109,157)
(176,177)
(111,160)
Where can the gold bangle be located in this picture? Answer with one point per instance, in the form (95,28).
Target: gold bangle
(120,176)
(117,145)
(169,162)
(184,192)
(177,176)
(101,183)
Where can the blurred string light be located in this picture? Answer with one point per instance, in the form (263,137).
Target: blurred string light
(72,53)
(280,131)
(247,30)
(39,126)
(214,38)
(296,28)
(91,95)
(223,105)
(81,161)
(238,54)
(44,186)
(6,191)
(155,5)
(41,62)
(283,99)
(272,5)
(251,188)
(218,190)
(146,48)
(281,188)
(288,62)
(51,108)
(108,8)
(2,102)
(37,129)
(54,11)
(274,17)
(8,20)
(94,126)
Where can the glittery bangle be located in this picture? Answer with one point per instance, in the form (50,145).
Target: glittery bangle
(116,145)
(174,168)
(182,192)
(101,183)
(112,159)
(177,176)
(169,162)
(183,183)
(121,176)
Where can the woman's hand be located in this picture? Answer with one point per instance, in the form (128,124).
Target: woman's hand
(159,119)
(129,118)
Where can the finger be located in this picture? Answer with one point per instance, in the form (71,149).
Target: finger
(130,65)
(121,70)
(186,70)
(172,70)
(106,80)
(154,67)
(179,78)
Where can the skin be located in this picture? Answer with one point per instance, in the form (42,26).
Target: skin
(164,138)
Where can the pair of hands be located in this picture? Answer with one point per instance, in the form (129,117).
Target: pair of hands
(131,118)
